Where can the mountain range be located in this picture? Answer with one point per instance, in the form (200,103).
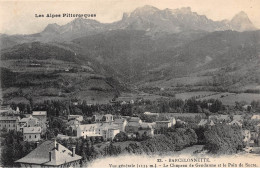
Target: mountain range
(148,48)
(153,21)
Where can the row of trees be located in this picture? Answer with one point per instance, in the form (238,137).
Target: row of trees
(173,140)
(60,108)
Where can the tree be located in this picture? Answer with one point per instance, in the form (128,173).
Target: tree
(121,136)
(223,139)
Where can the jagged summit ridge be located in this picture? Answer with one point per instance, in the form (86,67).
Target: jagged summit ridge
(151,20)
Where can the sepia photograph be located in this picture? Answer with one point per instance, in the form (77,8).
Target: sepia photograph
(130,84)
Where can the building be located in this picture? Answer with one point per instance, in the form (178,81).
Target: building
(146,132)
(205,122)
(7,110)
(163,124)
(247,107)
(151,114)
(50,154)
(135,120)
(98,118)
(73,125)
(107,130)
(184,115)
(75,117)
(132,127)
(40,115)
(108,118)
(121,123)
(109,134)
(103,118)
(87,130)
(255,117)
(9,122)
(42,118)
(220,118)
(139,128)
(32,133)
(65,137)
(27,122)
(148,125)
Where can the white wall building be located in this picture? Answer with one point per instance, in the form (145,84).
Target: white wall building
(32,133)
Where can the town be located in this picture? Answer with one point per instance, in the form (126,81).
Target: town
(56,134)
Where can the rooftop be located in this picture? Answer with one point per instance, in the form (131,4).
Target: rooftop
(119,121)
(39,113)
(32,130)
(26,119)
(134,119)
(40,155)
(84,127)
(9,118)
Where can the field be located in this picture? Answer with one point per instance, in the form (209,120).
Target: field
(173,82)
(225,97)
(231,98)
(134,96)
(199,94)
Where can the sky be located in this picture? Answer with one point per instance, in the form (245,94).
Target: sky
(18,17)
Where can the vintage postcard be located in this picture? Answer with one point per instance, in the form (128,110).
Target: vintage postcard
(130,84)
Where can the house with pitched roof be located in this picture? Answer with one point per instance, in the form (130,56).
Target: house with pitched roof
(87,130)
(27,122)
(106,130)
(50,154)
(165,123)
(32,133)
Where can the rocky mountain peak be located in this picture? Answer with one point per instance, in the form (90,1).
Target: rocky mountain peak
(144,11)
(241,22)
